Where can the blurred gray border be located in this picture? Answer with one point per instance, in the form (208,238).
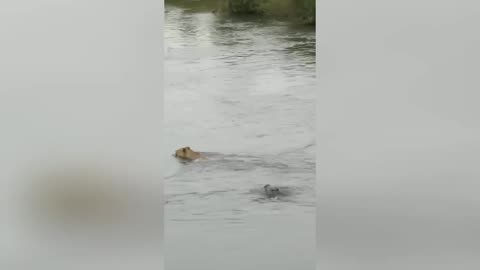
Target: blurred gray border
(398,135)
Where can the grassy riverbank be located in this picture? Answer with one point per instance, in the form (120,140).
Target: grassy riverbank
(300,11)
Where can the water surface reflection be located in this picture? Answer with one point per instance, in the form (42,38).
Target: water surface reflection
(242,90)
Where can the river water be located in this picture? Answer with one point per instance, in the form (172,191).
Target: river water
(242,90)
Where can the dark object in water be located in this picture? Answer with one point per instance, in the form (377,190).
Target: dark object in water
(271,192)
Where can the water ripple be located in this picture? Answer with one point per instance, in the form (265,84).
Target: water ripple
(243,89)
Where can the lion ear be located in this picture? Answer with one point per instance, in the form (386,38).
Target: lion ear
(188,147)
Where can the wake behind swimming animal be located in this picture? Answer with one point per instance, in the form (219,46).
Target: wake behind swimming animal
(271,191)
(186,153)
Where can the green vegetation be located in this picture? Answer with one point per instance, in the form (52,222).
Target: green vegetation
(299,10)
(197,5)
(302,11)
